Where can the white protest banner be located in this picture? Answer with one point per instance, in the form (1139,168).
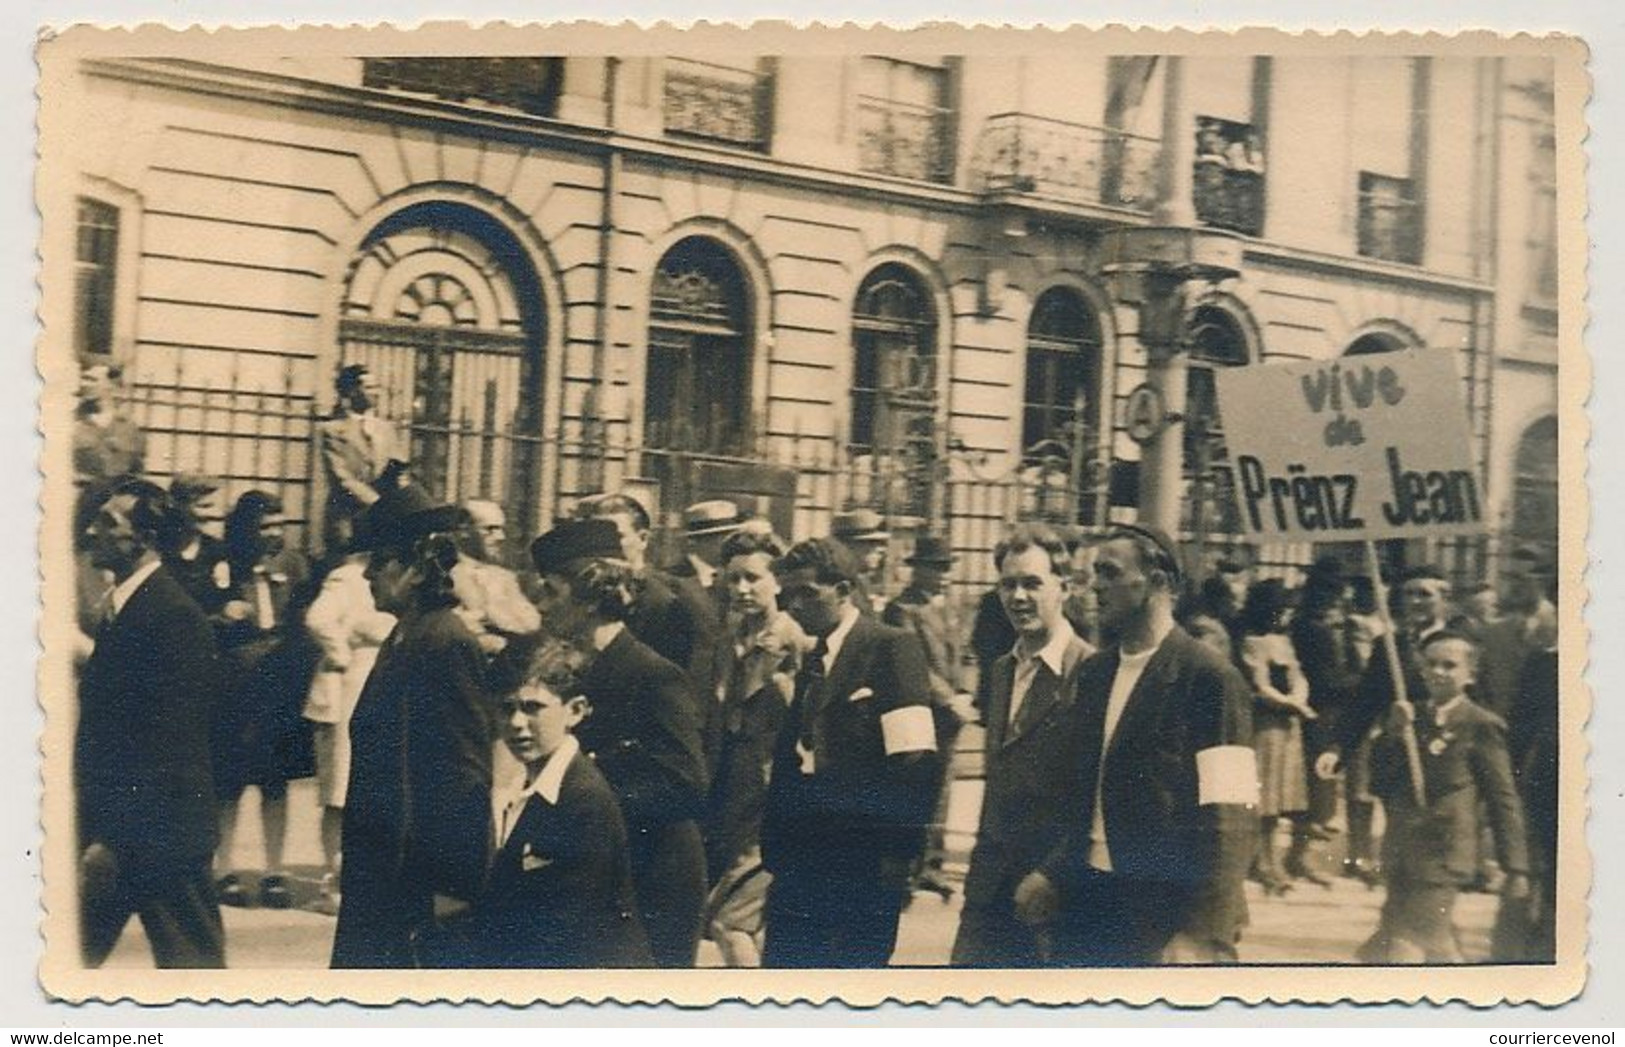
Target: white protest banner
(1356,448)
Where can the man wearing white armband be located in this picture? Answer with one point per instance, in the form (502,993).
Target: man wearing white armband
(1165,785)
(853,776)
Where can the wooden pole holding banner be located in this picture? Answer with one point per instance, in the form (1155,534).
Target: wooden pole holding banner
(1396,672)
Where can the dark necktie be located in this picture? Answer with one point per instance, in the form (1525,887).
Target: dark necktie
(810,690)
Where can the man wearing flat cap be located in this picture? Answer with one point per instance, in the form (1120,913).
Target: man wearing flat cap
(416,817)
(1165,787)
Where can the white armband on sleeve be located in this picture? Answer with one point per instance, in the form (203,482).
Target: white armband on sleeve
(1227,774)
(909,730)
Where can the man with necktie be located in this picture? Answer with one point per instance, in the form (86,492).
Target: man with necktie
(851,788)
(1028,753)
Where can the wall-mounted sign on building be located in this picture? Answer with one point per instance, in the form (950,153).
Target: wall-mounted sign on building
(1352,449)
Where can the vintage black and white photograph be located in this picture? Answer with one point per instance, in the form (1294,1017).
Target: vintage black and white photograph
(1053,516)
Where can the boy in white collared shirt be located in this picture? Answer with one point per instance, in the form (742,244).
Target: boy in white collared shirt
(558,892)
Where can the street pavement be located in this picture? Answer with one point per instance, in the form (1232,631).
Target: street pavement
(1310,924)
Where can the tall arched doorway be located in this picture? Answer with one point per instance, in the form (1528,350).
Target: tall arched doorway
(697,383)
(894,393)
(444,307)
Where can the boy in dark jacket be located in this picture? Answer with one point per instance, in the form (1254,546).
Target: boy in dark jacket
(1431,851)
(558,892)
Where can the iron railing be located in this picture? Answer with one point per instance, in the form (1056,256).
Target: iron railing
(718,103)
(254,427)
(905,140)
(1021,153)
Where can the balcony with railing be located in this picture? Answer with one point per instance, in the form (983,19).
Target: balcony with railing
(1077,163)
(1390,220)
(905,140)
(530,85)
(718,103)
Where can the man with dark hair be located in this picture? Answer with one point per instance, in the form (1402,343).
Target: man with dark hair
(1029,749)
(1163,826)
(357,447)
(1424,603)
(1530,626)
(851,786)
(142,772)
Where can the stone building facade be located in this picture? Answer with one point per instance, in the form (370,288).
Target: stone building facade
(816,281)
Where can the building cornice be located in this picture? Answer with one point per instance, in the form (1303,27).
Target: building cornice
(432,114)
(1270,252)
(263,88)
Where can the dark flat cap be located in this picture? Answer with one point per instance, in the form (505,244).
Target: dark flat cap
(572,540)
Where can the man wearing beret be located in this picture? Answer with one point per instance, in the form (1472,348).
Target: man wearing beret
(1163,827)
(851,788)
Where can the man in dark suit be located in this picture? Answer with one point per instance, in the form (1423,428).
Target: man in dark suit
(1163,826)
(143,780)
(1028,752)
(1431,851)
(558,892)
(851,787)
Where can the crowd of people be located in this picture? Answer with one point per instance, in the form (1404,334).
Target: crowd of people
(590,760)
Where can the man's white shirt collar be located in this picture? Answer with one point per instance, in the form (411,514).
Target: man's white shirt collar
(833,642)
(1053,653)
(126,589)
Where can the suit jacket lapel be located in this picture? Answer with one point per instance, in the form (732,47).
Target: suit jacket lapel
(998,702)
(838,681)
(1042,695)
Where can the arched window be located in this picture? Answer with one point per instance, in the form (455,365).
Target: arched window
(894,384)
(443,306)
(1534,487)
(697,385)
(1371,344)
(1063,374)
(1216,340)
